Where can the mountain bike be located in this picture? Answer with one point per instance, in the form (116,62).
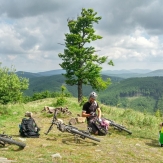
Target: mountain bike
(70,129)
(118,126)
(6,139)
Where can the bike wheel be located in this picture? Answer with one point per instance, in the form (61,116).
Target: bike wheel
(11,141)
(84,135)
(119,127)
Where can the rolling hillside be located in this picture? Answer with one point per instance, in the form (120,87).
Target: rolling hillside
(145,93)
(43,83)
(139,93)
(115,73)
(39,74)
(27,74)
(53,83)
(156,73)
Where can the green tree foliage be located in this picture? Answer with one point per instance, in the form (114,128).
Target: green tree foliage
(11,86)
(47,94)
(81,63)
(41,95)
(61,99)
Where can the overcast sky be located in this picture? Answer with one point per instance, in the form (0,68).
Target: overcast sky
(30,31)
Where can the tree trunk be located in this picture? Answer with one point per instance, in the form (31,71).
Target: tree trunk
(80,93)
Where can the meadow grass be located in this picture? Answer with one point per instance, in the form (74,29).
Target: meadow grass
(118,147)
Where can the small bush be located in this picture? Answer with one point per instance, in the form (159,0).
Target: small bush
(60,101)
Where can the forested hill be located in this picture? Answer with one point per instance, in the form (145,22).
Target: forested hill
(145,93)
(115,73)
(142,94)
(53,83)
(39,74)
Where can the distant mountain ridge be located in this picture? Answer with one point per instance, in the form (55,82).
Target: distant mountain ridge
(27,74)
(133,73)
(39,74)
(156,72)
(123,71)
(52,72)
(116,73)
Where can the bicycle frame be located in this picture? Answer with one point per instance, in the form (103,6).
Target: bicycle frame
(70,129)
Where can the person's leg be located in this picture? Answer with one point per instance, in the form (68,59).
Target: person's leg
(94,129)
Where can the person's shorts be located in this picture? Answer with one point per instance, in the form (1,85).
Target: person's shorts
(93,129)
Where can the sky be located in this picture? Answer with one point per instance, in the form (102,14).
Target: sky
(32,31)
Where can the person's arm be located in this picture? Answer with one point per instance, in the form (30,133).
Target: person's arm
(99,113)
(84,114)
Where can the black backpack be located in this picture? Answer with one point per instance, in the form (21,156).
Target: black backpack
(29,128)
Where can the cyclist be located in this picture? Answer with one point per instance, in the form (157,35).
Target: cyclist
(91,110)
(161,135)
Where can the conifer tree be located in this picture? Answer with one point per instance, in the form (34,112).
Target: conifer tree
(81,63)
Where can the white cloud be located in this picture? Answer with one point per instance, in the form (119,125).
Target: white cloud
(31,30)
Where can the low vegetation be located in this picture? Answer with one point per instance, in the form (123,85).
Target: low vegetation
(118,147)
(11,85)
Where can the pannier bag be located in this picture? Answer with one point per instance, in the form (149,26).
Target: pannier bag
(102,126)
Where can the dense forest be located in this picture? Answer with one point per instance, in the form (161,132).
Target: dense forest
(54,82)
(140,93)
(143,94)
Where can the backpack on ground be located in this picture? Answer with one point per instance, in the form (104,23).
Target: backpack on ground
(101,126)
(29,128)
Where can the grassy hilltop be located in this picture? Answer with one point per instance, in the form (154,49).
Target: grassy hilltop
(118,147)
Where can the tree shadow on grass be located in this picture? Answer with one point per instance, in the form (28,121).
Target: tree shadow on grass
(79,141)
(71,140)
(57,136)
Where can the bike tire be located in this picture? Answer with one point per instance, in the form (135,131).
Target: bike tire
(11,141)
(84,135)
(122,128)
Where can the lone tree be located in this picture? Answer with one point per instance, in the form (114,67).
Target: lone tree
(11,85)
(81,64)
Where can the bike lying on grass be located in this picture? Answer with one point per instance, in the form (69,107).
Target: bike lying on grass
(70,129)
(5,139)
(118,127)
